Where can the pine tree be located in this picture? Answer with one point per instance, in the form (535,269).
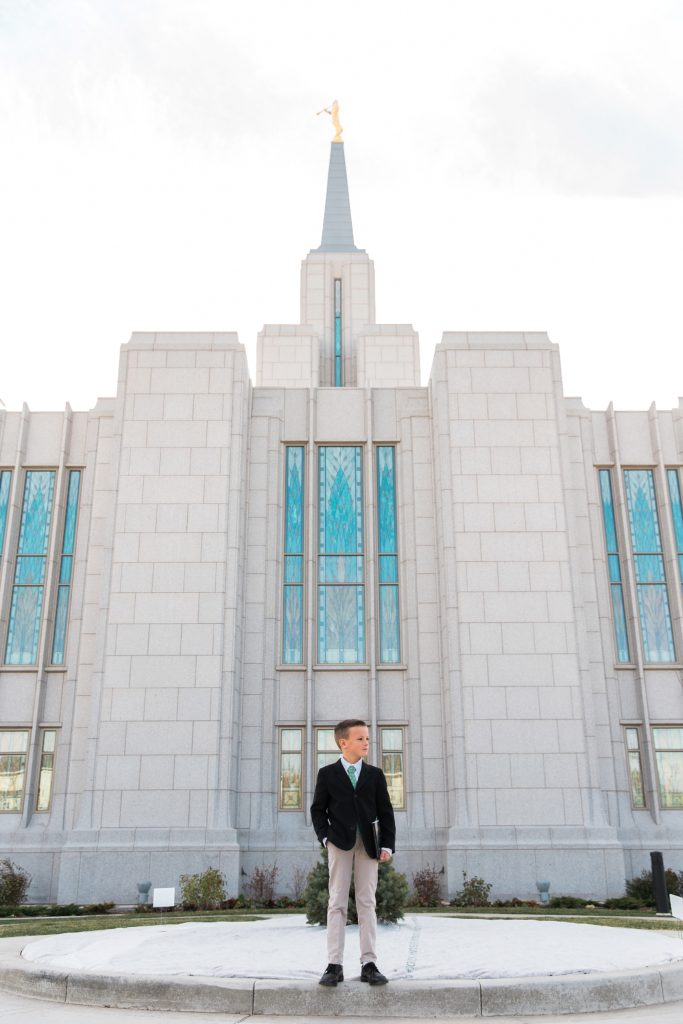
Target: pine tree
(392,894)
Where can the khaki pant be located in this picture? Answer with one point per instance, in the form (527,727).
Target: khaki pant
(341,863)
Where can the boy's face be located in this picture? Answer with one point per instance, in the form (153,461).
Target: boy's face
(356,744)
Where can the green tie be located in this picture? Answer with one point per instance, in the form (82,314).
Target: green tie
(352,775)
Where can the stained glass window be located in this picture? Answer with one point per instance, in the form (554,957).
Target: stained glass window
(341,590)
(66,568)
(653,599)
(47,759)
(668,744)
(635,768)
(389,628)
(291,774)
(293,586)
(327,751)
(391,741)
(338,375)
(614,567)
(677,514)
(13,750)
(5,481)
(29,575)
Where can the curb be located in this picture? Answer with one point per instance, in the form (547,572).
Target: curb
(570,993)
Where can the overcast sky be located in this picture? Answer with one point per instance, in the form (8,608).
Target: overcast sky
(513,165)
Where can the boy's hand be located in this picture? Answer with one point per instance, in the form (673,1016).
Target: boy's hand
(384,856)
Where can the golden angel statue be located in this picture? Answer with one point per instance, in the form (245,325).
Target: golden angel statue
(333,111)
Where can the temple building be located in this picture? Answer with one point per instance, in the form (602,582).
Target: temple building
(201,575)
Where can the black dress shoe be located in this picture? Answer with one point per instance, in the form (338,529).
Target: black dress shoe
(370,974)
(333,974)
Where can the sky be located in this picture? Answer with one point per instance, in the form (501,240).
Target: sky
(512,166)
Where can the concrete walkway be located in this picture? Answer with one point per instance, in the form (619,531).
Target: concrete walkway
(20,1010)
(648,990)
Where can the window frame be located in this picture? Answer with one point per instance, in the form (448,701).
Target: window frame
(389,751)
(302,555)
(360,450)
(27,732)
(44,732)
(669,726)
(638,751)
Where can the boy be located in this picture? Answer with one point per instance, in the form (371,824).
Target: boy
(349,796)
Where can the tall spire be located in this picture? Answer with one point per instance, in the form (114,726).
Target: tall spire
(337,227)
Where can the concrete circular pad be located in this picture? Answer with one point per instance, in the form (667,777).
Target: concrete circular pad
(437,967)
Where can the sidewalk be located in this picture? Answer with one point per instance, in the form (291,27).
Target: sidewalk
(19,1010)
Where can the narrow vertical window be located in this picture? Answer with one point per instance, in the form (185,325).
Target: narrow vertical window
(677,514)
(66,568)
(341,590)
(391,741)
(389,629)
(46,773)
(13,750)
(635,768)
(653,600)
(338,376)
(614,567)
(291,774)
(293,585)
(327,751)
(29,575)
(5,481)
(668,744)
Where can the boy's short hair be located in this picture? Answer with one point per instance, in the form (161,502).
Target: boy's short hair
(342,729)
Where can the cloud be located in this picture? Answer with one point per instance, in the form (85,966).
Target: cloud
(577,134)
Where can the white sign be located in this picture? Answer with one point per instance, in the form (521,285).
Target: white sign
(676,907)
(163,898)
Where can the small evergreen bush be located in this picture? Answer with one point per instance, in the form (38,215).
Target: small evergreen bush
(391,897)
(427,886)
(623,903)
(203,891)
(14,883)
(567,902)
(474,893)
(640,887)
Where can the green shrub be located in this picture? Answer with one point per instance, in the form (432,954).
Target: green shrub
(427,887)
(203,891)
(567,902)
(14,883)
(623,903)
(474,893)
(640,888)
(391,897)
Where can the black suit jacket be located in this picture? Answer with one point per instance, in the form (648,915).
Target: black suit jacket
(338,808)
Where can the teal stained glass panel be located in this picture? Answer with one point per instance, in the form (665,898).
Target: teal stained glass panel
(24,625)
(677,515)
(341,595)
(27,594)
(5,481)
(65,569)
(341,501)
(386,499)
(294,503)
(389,627)
(293,589)
(614,567)
(341,625)
(36,513)
(653,599)
(390,652)
(337,334)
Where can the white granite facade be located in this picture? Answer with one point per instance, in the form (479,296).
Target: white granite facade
(511,698)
